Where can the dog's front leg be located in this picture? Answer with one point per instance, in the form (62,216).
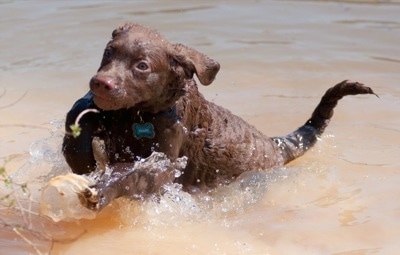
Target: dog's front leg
(133,180)
(124,181)
(171,140)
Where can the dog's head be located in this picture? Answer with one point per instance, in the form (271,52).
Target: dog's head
(140,68)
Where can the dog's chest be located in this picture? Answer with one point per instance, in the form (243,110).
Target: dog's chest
(130,136)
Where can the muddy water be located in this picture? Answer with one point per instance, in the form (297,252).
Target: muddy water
(277,59)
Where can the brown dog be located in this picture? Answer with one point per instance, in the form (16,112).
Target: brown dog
(149,101)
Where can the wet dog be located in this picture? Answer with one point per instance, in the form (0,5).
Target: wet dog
(148,101)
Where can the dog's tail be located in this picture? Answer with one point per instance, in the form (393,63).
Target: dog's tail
(297,143)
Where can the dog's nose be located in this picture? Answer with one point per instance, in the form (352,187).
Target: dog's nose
(102,82)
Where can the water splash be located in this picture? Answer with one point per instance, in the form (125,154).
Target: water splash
(172,207)
(177,207)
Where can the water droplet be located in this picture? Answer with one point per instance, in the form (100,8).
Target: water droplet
(177,173)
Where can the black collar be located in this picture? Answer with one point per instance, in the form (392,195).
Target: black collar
(169,113)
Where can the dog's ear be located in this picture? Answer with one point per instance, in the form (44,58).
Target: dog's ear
(194,62)
(119,30)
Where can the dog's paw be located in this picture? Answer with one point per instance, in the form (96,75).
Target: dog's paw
(89,198)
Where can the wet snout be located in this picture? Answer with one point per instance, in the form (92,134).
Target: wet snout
(106,92)
(102,84)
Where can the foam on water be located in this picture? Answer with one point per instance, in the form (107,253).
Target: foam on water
(175,206)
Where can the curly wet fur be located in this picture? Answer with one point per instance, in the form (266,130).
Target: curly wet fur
(143,78)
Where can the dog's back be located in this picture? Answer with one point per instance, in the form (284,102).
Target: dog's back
(148,101)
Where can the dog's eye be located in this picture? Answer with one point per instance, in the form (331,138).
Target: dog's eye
(107,54)
(142,66)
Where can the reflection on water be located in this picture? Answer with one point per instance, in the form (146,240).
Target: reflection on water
(277,59)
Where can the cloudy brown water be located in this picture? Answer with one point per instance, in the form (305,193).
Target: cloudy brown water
(277,59)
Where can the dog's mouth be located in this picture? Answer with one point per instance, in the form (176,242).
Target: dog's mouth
(109,103)
(105,103)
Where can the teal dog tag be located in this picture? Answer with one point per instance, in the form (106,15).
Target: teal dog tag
(143,130)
